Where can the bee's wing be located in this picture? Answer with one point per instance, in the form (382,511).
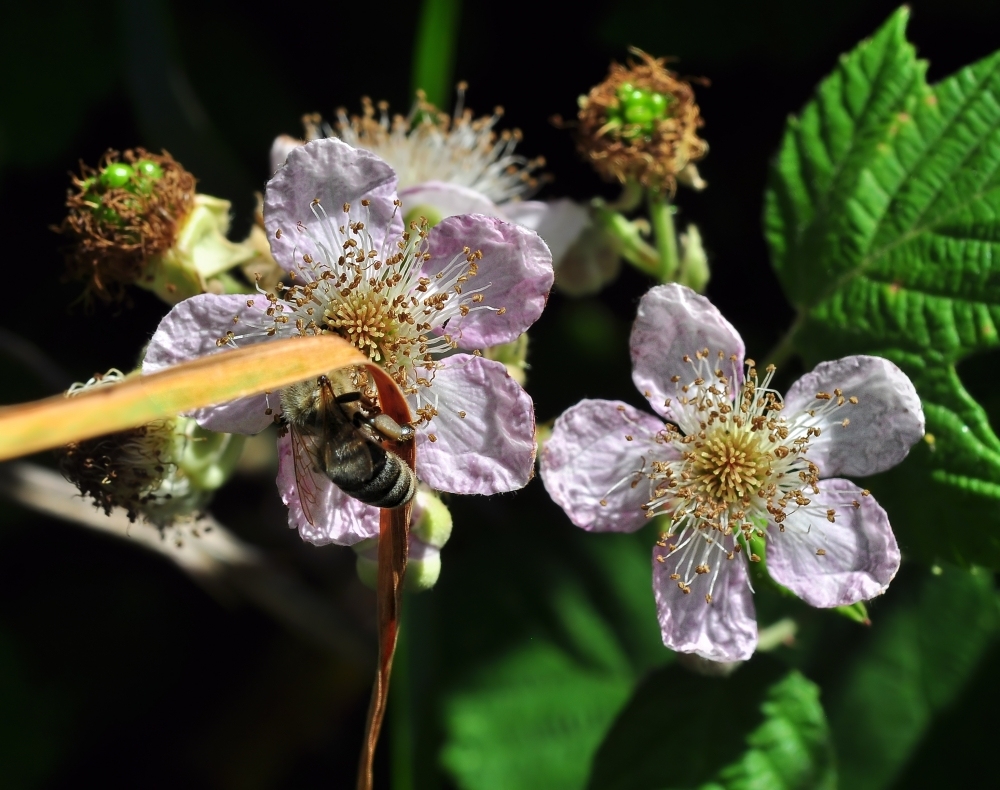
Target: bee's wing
(317,508)
(303,461)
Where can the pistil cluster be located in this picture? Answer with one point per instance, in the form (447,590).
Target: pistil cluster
(740,465)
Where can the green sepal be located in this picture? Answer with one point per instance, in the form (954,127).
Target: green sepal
(858,612)
(201,252)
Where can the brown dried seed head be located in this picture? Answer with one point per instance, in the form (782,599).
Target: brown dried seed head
(114,232)
(120,469)
(654,157)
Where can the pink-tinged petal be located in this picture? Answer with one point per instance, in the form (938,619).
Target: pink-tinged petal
(516,265)
(593,464)
(320,511)
(859,552)
(559,222)
(191,329)
(886,422)
(281,148)
(330,171)
(723,630)
(674,321)
(492,447)
(447,199)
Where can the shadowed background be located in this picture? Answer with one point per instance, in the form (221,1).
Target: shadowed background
(114,664)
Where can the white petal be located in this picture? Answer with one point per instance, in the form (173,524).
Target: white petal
(281,148)
(516,265)
(330,171)
(191,330)
(489,449)
(860,556)
(448,199)
(559,222)
(589,459)
(723,630)
(886,422)
(674,321)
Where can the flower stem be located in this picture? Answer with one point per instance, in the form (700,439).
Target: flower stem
(633,248)
(629,199)
(785,348)
(434,49)
(662,218)
(401,711)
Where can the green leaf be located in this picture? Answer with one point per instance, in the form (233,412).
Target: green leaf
(916,661)
(532,720)
(882,217)
(533,716)
(766,727)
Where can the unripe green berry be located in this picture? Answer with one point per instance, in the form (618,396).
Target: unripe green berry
(117,175)
(149,169)
(639,108)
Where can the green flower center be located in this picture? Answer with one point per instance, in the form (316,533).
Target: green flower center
(139,179)
(638,110)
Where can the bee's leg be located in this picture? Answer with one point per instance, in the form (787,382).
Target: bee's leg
(387,427)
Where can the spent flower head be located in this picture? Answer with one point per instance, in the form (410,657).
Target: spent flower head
(420,302)
(163,472)
(733,468)
(137,220)
(641,124)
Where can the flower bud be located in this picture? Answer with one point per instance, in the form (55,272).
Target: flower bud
(641,123)
(137,220)
(429,531)
(163,471)
(432,521)
(693,271)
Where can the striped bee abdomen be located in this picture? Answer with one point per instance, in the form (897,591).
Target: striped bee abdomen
(392,482)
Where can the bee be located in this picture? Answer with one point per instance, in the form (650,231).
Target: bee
(337,430)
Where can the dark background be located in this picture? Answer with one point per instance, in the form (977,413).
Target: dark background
(112,663)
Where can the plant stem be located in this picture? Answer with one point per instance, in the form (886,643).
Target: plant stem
(629,199)
(661,217)
(633,248)
(401,710)
(434,49)
(785,347)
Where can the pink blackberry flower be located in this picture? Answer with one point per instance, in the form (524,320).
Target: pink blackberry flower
(729,462)
(416,301)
